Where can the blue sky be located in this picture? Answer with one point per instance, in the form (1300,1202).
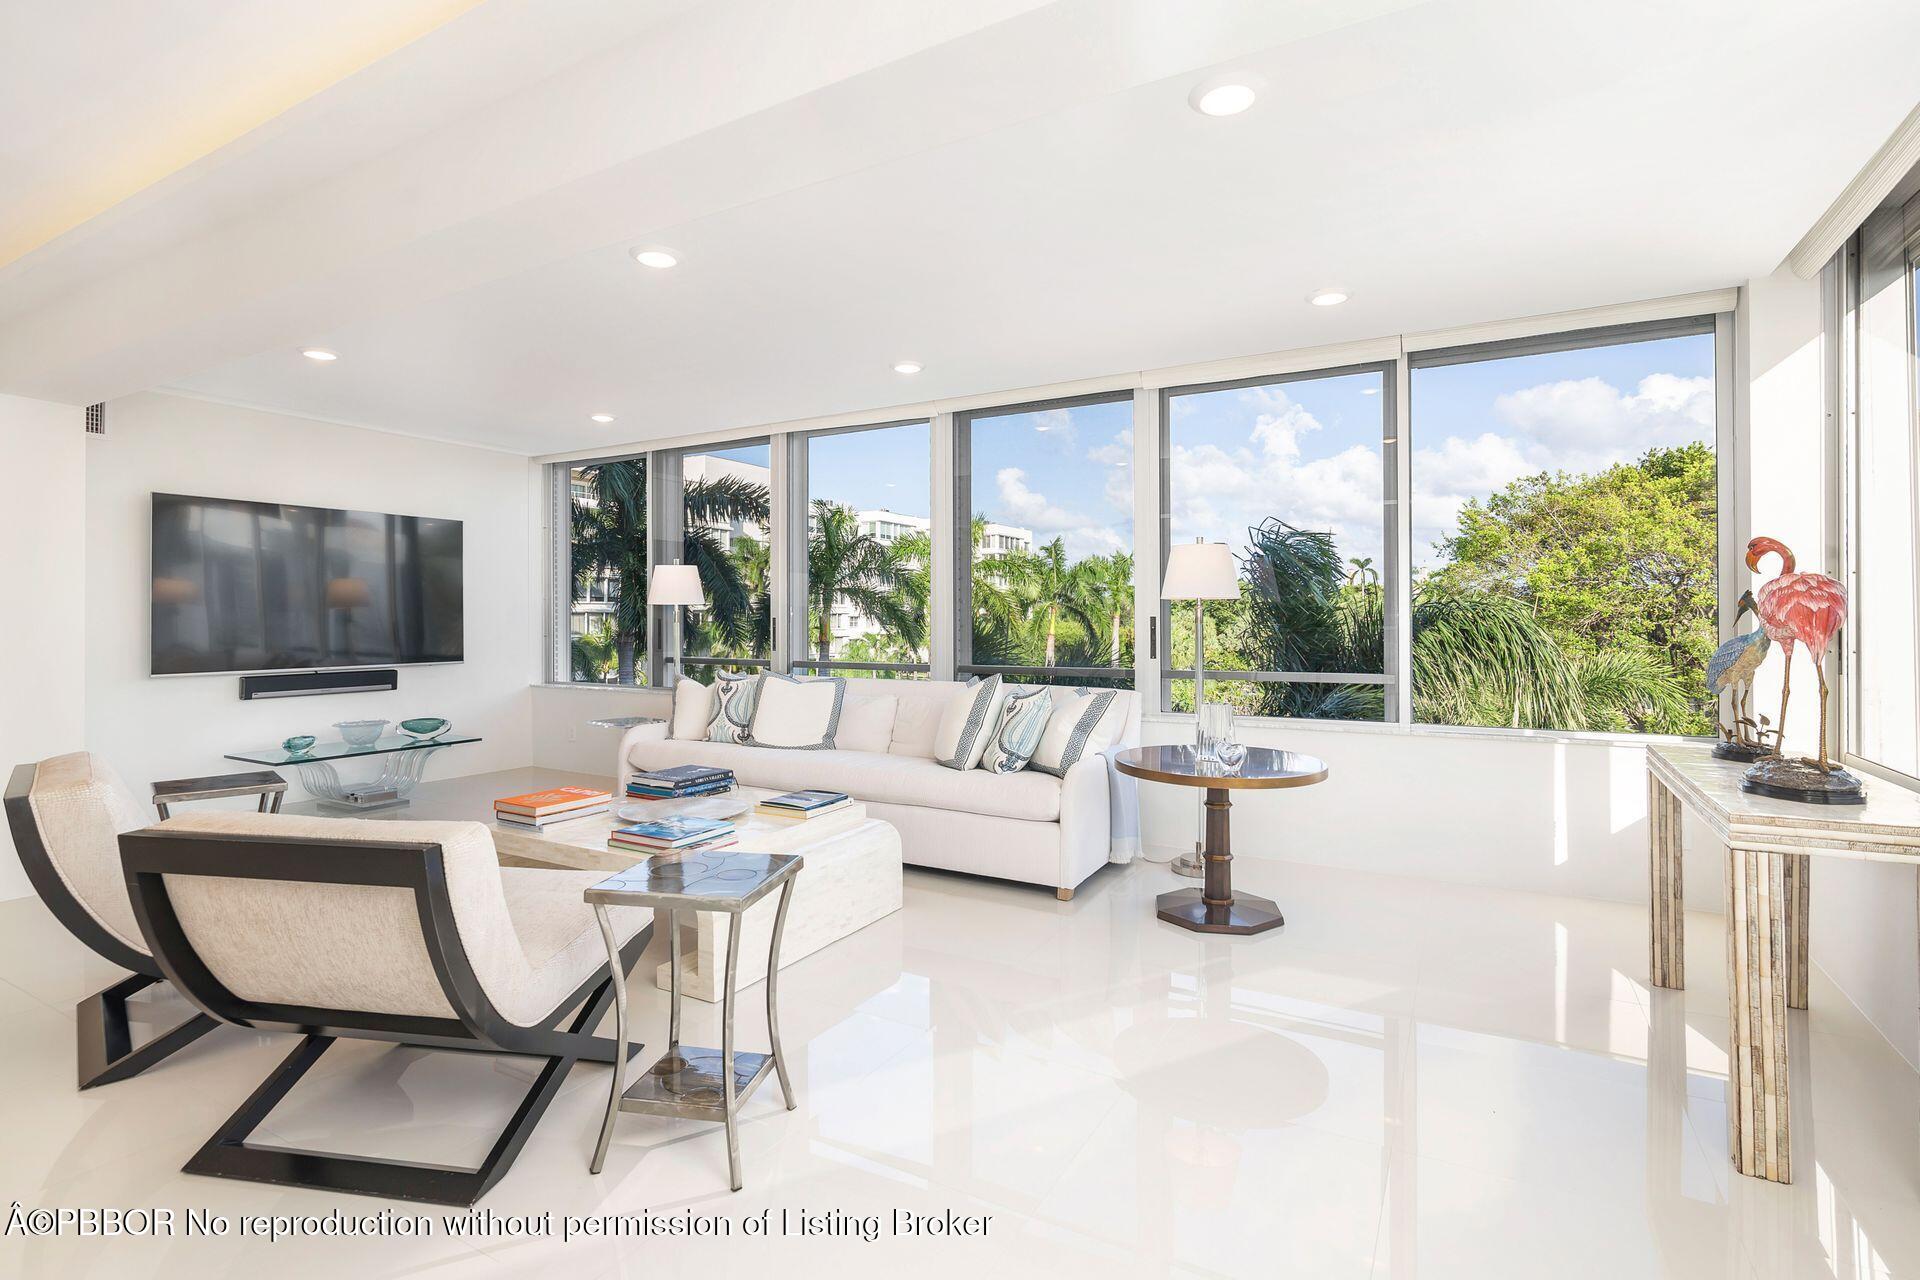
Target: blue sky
(1308,451)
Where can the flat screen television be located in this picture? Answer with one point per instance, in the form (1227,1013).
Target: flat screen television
(262,586)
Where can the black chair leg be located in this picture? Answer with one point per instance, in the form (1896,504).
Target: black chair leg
(227,1154)
(104,1041)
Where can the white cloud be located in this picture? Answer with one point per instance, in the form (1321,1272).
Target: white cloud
(1082,533)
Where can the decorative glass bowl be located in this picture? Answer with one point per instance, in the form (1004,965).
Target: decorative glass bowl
(361,733)
(298,745)
(425,728)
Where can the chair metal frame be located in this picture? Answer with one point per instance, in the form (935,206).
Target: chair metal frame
(476,1025)
(104,1050)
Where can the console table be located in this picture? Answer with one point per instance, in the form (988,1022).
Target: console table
(399,763)
(1770,846)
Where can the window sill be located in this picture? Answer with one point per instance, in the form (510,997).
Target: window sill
(1554,736)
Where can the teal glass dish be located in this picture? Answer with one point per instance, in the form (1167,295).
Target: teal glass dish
(425,728)
(299,744)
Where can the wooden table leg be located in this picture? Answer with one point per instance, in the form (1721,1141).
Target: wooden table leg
(1215,908)
(1758,947)
(1667,959)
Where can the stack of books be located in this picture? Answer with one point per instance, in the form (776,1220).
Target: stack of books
(801,806)
(544,808)
(673,835)
(679,782)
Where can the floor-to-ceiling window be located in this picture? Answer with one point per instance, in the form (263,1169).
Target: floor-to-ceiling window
(1883,568)
(1291,474)
(866,577)
(605,634)
(726,532)
(1565,531)
(1044,547)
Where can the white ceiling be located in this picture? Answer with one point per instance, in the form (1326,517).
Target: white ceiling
(1014,193)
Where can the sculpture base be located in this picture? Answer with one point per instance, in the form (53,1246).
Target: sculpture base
(1803,781)
(1740,751)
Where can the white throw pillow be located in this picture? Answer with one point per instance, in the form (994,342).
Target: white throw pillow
(967,723)
(692,710)
(1023,719)
(797,714)
(1082,724)
(866,722)
(732,717)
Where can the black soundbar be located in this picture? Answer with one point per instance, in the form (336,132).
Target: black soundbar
(304,684)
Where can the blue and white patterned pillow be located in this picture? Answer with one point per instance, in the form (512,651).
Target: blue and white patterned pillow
(733,697)
(967,723)
(1023,718)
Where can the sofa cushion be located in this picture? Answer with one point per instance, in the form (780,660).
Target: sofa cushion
(1084,722)
(866,722)
(693,709)
(733,718)
(1016,735)
(795,713)
(868,775)
(915,723)
(969,719)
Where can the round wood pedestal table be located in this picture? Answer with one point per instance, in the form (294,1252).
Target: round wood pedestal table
(1214,908)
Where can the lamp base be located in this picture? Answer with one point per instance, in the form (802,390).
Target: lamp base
(1189,865)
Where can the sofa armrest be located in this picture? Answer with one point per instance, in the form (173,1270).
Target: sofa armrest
(623,766)
(1085,819)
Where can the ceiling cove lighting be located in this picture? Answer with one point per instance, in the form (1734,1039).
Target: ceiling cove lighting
(1328,298)
(658,259)
(907,366)
(1227,94)
(319,353)
(603,417)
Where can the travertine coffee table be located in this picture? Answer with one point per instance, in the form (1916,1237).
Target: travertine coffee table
(853,878)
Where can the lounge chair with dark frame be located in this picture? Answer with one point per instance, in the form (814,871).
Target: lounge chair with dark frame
(407,932)
(65,814)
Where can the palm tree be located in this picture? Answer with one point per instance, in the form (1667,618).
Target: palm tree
(1049,586)
(859,570)
(609,529)
(1478,658)
(594,653)
(1111,577)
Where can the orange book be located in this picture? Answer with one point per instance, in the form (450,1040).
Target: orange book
(537,804)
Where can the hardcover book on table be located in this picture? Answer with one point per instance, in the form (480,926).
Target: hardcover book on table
(672,832)
(538,804)
(684,775)
(805,801)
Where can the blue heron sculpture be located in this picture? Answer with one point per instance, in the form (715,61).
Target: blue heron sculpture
(1730,670)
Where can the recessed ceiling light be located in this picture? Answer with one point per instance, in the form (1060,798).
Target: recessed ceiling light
(1226,94)
(907,366)
(1328,298)
(658,259)
(319,353)
(603,417)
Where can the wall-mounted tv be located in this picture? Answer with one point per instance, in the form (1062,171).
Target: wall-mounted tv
(263,586)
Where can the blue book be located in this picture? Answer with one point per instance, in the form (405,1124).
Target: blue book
(804,801)
(670,833)
(684,775)
(664,793)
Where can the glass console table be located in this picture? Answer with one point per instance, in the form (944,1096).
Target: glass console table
(398,762)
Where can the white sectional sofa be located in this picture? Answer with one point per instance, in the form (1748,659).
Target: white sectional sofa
(1027,826)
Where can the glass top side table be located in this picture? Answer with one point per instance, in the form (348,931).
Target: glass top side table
(400,762)
(687,1082)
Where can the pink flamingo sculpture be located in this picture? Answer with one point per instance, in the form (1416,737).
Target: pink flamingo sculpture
(1804,608)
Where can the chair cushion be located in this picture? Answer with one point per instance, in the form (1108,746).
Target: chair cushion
(868,775)
(81,806)
(526,932)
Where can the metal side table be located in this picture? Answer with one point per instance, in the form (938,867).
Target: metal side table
(686,1082)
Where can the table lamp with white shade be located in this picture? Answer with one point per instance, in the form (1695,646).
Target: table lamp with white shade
(676,586)
(1199,571)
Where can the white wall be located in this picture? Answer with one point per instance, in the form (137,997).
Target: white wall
(562,738)
(43,556)
(1865,933)
(179,726)
(1543,815)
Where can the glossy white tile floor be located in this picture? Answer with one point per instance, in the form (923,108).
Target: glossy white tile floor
(1411,1079)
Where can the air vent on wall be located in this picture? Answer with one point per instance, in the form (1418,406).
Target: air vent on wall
(96,419)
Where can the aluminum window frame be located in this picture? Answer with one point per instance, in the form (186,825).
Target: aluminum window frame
(960,535)
(558,625)
(1392,553)
(672,517)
